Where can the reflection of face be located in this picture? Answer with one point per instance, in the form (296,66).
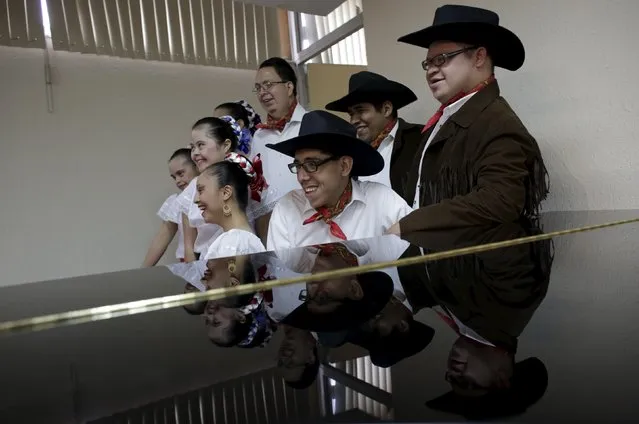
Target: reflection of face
(324,186)
(473,367)
(220,112)
(210,198)
(368,121)
(395,317)
(296,353)
(219,319)
(182,172)
(448,80)
(277,100)
(206,151)
(325,296)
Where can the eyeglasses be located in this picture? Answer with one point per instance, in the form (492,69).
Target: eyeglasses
(266,86)
(441,59)
(309,166)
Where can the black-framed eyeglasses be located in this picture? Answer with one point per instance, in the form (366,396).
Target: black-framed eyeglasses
(266,86)
(441,59)
(309,166)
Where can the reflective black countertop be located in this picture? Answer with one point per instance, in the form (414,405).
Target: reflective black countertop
(563,308)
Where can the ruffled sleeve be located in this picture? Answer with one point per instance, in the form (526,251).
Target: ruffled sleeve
(234,243)
(191,272)
(170,210)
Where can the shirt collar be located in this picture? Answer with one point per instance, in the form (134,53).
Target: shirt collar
(298,113)
(357,196)
(452,108)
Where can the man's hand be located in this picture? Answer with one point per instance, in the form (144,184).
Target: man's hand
(394,229)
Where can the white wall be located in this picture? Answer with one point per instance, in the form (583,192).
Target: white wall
(80,187)
(577,92)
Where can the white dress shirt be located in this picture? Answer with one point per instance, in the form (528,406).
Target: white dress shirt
(448,112)
(275,164)
(386,150)
(373,209)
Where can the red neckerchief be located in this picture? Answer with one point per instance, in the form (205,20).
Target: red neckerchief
(387,130)
(258,183)
(327,214)
(339,249)
(262,276)
(278,124)
(433,120)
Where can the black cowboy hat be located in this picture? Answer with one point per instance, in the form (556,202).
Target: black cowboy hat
(329,133)
(377,289)
(472,25)
(528,385)
(387,351)
(366,87)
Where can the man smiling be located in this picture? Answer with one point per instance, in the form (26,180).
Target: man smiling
(372,103)
(477,163)
(331,205)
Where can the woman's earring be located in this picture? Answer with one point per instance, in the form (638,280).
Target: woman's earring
(226,210)
(231,266)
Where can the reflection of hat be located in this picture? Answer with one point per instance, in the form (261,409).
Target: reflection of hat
(377,288)
(528,385)
(329,133)
(366,87)
(387,351)
(472,25)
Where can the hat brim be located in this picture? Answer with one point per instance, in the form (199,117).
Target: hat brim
(378,289)
(529,384)
(387,351)
(505,48)
(398,94)
(366,160)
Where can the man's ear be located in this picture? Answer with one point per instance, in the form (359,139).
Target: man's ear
(346,165)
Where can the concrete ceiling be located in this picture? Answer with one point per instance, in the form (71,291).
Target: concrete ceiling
(315,7)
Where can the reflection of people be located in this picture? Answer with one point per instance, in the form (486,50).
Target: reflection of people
(331,204)
(477,164)
(372,103)
(182,170)
(297,359)
(222,197)
(487,299)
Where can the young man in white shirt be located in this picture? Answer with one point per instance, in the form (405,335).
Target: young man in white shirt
(372,103)
(331,205)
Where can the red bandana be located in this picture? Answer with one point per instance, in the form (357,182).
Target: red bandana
(339,249)
(387,130)
(263,275)
(278,124)
(327,214)
(433,120)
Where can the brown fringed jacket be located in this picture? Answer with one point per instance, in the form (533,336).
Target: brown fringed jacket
(482,167)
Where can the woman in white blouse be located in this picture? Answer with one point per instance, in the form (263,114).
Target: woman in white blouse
(212,140)
(223,193)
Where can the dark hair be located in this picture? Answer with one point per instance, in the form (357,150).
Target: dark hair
(283,69)
(236,111)
(183,153)
(230,173)
(377,104)
(219,130)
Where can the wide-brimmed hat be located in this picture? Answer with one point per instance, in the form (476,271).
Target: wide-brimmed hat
(475,26)
(321,130)
(377,289)
(387,351)
(367,87)
(528,384)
